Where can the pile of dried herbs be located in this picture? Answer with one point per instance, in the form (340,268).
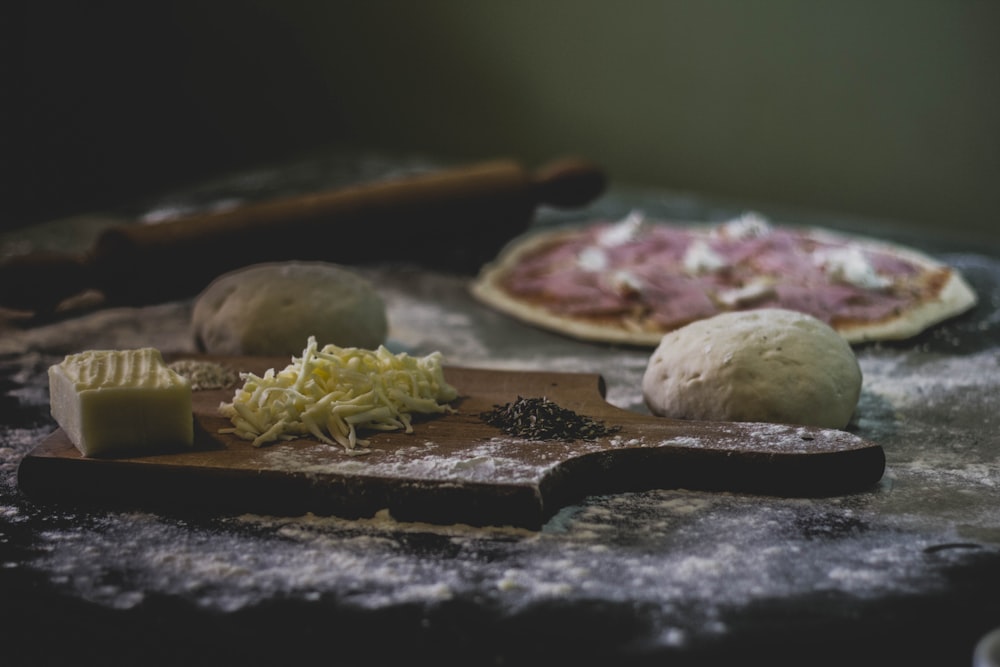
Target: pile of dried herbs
(541,419)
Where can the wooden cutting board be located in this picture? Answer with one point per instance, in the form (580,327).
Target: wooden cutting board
(456,468)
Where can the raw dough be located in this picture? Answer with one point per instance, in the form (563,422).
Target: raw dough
(768,365)
(273,308)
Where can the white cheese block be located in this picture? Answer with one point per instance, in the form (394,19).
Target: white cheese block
(121,402)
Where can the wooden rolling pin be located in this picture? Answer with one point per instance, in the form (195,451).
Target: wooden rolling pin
(453,220)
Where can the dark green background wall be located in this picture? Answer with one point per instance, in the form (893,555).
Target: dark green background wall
(885,108)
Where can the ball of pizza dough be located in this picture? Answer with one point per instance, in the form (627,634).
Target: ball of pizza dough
(767,365)
(273,308)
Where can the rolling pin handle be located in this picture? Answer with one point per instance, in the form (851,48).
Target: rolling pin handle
(569,182)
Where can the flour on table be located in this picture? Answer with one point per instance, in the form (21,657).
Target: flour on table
(686,558)
(905,379)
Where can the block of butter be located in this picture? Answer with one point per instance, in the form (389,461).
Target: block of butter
(121,402)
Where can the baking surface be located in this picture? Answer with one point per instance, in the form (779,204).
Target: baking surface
(906,570)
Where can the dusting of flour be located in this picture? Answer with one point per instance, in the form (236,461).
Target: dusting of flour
(689,558)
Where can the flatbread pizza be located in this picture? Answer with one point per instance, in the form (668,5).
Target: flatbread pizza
(631,281)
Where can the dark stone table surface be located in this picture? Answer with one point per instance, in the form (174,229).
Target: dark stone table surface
(905,573)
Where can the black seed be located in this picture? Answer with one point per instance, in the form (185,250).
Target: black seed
(541,419)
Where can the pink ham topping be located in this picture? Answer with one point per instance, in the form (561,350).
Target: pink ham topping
(586,275)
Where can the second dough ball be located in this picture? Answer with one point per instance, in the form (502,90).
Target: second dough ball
(273,308)
(767,365)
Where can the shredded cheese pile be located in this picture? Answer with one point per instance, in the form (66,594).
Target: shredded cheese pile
(333,392)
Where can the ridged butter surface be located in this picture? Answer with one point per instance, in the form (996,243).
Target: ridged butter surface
(120,402)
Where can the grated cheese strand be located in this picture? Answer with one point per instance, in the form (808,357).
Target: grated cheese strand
(331,393)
